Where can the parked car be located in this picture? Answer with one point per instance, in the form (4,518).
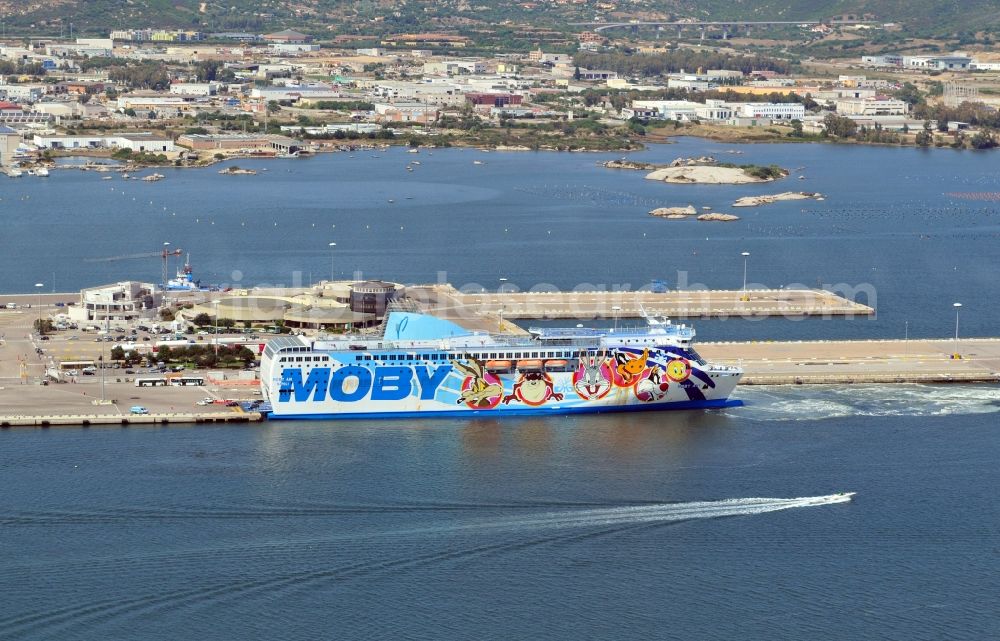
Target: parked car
(138,409)
(130,371)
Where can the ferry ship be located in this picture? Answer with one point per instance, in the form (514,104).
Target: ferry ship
(420,365)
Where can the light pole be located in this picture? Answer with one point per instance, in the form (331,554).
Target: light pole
(332,274)
(165,250)
(957,307)
(215,334)
(38,289)
(746,258)
(614,310)
(499,292)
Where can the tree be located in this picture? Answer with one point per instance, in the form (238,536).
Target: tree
(202,319)
(983,139)
(43,326)
(273,106)
(796,128)
(246,355)
(839,126)
(925,137)
(117,353)
(909,94)
(228,323)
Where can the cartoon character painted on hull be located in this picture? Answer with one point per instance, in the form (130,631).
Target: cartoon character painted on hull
(592,378)
(533,388)
(679,370)
(630,367)
(653,387)
(480,389)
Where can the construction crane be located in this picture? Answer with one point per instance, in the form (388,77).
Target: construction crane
(166,254)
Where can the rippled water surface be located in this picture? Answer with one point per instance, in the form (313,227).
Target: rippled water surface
(919,228)
(675,525)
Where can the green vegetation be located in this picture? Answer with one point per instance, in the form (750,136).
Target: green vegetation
(205,356)
(43,326)
(770,172)
(343,105)
(512,26)
(141,75)
(640,64)
(140,158)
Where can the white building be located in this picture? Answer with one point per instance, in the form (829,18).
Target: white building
(690,83)
(454,67)
(124,301)
(9,140)
(137,142)
(872,107)
(670,109)
(715,110)
(292,48)
(23,93)
(194,88)
(771,110)
(955,62)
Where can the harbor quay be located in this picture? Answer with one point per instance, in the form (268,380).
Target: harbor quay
(682,304)
(37,389)
(974,360)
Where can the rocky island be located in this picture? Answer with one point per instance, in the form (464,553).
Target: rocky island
(704,170)
(754,201)
(680,213)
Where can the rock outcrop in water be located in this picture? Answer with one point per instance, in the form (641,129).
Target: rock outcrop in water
(716,217)
(674,212)
(704,175)
(754,201)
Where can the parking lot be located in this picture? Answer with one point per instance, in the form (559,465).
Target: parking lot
(25,358)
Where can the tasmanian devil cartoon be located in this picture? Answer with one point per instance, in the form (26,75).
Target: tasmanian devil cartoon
(533,388)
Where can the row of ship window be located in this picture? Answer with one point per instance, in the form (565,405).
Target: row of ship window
(484,355)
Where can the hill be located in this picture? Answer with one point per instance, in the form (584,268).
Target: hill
(96,17)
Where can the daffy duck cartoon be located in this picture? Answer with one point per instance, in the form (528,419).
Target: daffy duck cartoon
(630,367)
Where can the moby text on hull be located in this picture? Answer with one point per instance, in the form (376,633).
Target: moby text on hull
(426,366)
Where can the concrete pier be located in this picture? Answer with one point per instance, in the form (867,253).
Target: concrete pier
(797,303)
(87,420)
(848,362)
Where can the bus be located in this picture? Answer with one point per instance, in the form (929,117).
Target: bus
(150,382)
(77,365)
(187,380)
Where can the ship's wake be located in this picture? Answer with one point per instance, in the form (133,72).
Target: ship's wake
(459,541)
(638,515)
(817,402)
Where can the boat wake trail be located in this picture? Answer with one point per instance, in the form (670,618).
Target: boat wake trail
(514,533)
(637,515)
(811,403)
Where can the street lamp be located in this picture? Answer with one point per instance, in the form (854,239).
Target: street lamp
(957,307)
(38,289)
(332,274)
(614,310)
(500,291)
(746,257)
(165,259)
